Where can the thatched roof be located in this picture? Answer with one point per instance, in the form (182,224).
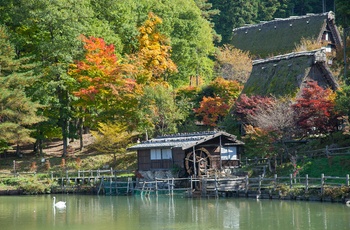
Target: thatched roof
(285,74)
(280,36)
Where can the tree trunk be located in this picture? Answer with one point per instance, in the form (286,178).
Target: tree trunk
(64,118)
(17,150)
(81,130)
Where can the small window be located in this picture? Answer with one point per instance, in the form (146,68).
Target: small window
(326,37)
(156,154)
(229,153)
(160,154)
(166,154)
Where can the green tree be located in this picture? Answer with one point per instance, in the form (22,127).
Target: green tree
(18,112)
(158,112)
(267,9)
(112,138)
(343,13)
(190,35)
(233,14)
(208,13)
(50,31)
(342,102)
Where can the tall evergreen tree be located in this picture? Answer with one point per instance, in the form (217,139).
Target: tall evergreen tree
(50,30)
(233,14)
(18,113)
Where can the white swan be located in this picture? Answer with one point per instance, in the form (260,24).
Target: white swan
(347,203)
(59,204)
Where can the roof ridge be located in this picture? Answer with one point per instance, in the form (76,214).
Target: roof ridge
(288,56)
(330,15)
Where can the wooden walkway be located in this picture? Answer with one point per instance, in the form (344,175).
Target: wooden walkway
(111,182)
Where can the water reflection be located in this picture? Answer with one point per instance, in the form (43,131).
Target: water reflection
(102,212)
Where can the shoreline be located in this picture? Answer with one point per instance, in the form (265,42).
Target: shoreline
(251,195)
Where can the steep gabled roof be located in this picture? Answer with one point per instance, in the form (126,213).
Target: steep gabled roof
(285,74)
(183,140)
(280,36)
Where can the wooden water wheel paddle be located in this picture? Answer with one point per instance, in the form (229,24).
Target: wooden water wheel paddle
(199,163)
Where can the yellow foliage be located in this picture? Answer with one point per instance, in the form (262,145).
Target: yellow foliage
(234,64)
(154,53)
(308,45)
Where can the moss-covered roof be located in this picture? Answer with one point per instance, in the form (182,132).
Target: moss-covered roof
(284,75)
(280,36)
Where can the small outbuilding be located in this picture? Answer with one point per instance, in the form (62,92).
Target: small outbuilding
(196,153)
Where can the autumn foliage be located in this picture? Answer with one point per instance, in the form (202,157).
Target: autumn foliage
(212,109)
(152,61)
(248,106)
(100,77)
(314,110)
(218,98)
(234,64)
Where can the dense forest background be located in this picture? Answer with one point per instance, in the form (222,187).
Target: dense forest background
(128,70)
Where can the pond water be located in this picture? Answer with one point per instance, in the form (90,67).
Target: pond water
(135,212)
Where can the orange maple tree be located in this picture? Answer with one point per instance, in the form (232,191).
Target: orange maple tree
(212,110)
(217,99)
(101,78)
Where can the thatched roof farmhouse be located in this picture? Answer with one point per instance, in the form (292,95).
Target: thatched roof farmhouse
(286,74)
(280,36)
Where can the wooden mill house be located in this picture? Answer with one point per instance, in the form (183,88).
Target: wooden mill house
(196,154)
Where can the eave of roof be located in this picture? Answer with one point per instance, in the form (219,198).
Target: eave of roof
(183,141)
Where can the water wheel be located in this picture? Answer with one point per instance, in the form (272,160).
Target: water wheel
(199,163)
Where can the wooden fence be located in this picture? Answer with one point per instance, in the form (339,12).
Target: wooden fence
(325,152)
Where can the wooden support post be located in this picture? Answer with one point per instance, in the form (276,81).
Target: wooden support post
(110,186)
(191,191)
(347,180)
(216,186)
(259,188)
(156,187)
(204,187)
(306,183)
(51,175)
(275,182)
(290,180)
(14,167)
(246,185)
(322,183)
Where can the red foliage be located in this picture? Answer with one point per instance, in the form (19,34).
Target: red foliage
(246,106)
(314,110)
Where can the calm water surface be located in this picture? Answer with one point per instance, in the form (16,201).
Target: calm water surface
(134,212)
